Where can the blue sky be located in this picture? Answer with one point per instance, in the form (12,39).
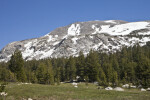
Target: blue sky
(25,19)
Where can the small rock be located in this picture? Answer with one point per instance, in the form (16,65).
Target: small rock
(30,99)
(76,86)
(3,94)
(125,86)
(108,88)
(118,89)
(148,89)
(143,89)
(133,86)
(96,83)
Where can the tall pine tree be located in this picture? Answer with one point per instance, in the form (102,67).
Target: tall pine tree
(16,65)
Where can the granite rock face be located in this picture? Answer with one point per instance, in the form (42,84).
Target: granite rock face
(107,36)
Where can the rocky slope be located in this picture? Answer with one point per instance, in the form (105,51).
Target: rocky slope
(108,36)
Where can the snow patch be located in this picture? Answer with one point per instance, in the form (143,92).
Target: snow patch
(28,44)
(144,33)
(74,29)
(74,51)
(65,37)
(91,37)
(110,21)
(47,34)
(97,29)
(56,36)
(28,51)
(145,39)
(55,43)
(74,40)
(50,38)
(97,46)
(47,54)
(123,29)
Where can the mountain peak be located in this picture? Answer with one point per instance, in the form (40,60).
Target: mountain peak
(107,36)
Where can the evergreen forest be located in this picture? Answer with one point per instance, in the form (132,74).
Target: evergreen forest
(130,65)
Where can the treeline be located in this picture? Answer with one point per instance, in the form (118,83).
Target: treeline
(130,65)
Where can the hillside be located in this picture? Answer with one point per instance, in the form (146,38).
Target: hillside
(107,36)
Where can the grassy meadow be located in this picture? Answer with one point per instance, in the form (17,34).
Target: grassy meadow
(67,91)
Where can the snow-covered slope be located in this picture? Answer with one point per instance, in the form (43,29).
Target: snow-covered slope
(107,36)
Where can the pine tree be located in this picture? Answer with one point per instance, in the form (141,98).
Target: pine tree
(16,65)
(58,75)
(92,64)
(67,70)
(143,71)
(102,78)
(109,72)
(61,64)
(50,74)
(80,63)
(115,79)
(33,78)
(71,69)
(131,72)
(41,73)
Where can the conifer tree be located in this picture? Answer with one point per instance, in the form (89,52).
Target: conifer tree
(71,68)
(115,79)
(58,75)
(109,72)
(51,73)
(61,64)
(16,65)
(92,63)
(41,73)
(67,70)
(102,78)
(81,66)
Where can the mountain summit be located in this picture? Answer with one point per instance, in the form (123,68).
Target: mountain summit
(107,36)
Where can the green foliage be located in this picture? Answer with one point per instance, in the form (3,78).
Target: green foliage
(71,69)
(16,65)
(41,73)
(102,78)
(92,64)
(130,65)
(80,65)
(67,92)
(2,87)
(44,73)
(115,79)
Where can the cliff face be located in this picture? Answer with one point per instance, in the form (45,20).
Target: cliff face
(107,36)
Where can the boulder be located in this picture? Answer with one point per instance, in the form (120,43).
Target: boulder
(125,86)
(142,89)
(148,89)
(75,84)
(118,89)
(133,86)
(108,88)
(30,99)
